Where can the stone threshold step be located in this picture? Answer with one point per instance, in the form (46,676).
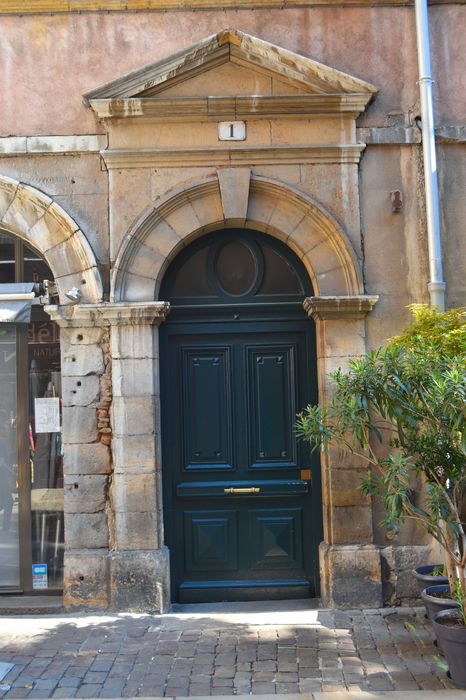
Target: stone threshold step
(31,604)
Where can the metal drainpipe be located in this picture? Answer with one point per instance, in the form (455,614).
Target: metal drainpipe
(436,285)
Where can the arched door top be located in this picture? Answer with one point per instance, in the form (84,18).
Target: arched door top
(46,227)
(235,199)
(235,267)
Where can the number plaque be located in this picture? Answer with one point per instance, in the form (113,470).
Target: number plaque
(232,131)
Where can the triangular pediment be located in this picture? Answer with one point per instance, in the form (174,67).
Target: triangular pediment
(251,64)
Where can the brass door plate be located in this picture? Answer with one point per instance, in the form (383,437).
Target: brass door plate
(306,474)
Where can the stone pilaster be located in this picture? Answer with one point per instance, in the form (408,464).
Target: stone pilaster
(139,561)
(350,562)
(113,552)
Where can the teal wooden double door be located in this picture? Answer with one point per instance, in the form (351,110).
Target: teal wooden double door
(240,520)
(242,505)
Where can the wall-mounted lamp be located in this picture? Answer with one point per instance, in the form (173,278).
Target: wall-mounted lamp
(74,295)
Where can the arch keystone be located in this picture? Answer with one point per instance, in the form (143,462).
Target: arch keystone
(234,192)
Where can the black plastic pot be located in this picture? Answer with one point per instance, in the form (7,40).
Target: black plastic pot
(423,575)
(453,642)
(434,604)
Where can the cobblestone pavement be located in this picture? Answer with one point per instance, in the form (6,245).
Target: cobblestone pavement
(220,651)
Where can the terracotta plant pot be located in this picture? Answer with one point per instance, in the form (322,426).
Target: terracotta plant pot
(423,575)
(453,641)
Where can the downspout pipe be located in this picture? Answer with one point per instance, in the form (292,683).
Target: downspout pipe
(436,284)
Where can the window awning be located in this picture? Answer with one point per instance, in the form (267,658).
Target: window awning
(15,302)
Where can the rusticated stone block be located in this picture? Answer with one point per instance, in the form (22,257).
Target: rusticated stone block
(133,415)
(182,220)
(86,530)
(28,207)
(146,260)
(134,492)
(84,391)
(87,459)
(86,578)
(350,524)
(80,361)
(140,581)
(83,336)
(8,189)
(134,453)
(85,494)
(162,239)
(387,561)
(88,281)
(138,289)
(351,576)
(132,377)
(288,216)
(137,531)
(399,562)
(330,282)
(79,424)
(133,342)
(345,487)
(342,338)
(209,211)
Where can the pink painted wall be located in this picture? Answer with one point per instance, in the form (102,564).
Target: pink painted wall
(48,62)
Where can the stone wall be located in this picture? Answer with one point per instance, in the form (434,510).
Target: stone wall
(88,465)
(114,553)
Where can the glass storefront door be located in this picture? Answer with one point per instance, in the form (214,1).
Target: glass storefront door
(46,455)
(9,531)
(31,459)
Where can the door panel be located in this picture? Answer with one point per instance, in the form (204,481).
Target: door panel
(271,396)
(276,538)
(207,410)
(239,520)
(211,540)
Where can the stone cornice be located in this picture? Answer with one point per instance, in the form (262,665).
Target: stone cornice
(23,7)
(108,314)
(176,157)
(94,143)
(189,109)
(53,145)
(339,307)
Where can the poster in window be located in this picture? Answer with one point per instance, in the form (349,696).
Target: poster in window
(47,415)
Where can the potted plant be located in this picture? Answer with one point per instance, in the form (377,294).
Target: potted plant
(450,630)
(430,575)
(437,597)
(402,409)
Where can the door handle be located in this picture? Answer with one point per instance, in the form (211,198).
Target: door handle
(251,489)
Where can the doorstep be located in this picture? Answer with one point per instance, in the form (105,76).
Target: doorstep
(31,604)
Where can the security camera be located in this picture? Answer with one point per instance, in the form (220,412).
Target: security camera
(74,295)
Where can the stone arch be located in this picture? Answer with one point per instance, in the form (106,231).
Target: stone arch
(235,198)
(33,216)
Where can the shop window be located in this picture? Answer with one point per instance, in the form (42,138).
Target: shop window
(31,455)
